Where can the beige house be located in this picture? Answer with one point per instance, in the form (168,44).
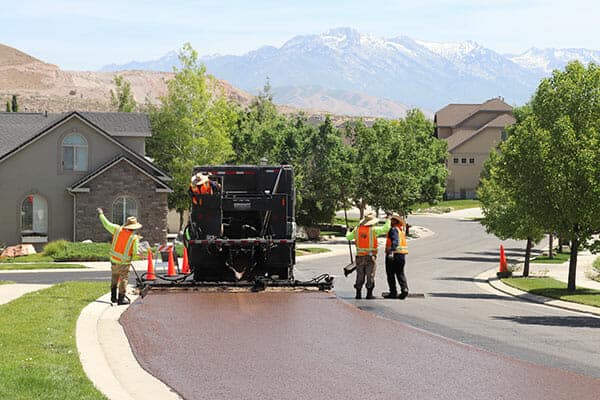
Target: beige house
(471,131)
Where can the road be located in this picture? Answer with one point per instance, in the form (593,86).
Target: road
(442,268)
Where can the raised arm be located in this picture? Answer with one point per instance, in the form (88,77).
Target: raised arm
(110,227)
(380,230)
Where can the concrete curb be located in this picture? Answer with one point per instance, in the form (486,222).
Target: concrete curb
(494,282)
(107,358)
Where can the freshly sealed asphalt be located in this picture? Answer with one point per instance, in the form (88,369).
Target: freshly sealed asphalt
(274,345)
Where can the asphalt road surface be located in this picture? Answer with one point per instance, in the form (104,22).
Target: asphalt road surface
(454,306)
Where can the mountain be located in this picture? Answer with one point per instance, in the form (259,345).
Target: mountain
(543,61)
(404,70)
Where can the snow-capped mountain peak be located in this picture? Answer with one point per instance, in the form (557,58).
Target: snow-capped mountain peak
(450,49)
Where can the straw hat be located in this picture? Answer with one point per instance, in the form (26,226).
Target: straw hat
(398,218)
(368,220)
(132,223)
(201,178)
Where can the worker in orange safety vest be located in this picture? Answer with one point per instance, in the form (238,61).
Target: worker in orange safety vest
(201,184)
(124,246)
(395,258)
(366,252)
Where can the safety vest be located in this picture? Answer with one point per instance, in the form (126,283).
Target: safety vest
(205,188)
(402,248)
(366,241)
(122,246)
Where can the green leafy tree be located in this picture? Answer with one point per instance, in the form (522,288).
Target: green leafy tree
(191,126)
(559,141)
(504,215)
(15,104)
(122,100)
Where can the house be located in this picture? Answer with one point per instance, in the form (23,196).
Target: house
(56,169)
(471,131)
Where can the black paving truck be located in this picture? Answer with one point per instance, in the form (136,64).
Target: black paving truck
(244,233)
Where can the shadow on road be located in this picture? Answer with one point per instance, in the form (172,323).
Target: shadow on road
(482,296)
(477,259)
(460,279)
(573,322)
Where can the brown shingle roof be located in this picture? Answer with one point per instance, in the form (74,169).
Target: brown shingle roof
(453,114)
(461,136)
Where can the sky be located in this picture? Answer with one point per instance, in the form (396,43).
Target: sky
(87,34)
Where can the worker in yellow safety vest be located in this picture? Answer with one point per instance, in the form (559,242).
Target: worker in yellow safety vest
(366,252)
(124,246)
(395,258)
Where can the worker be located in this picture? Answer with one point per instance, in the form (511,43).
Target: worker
(395,258)
(366,252)
(124,246)
(202,184)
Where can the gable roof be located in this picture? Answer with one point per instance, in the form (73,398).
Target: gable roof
(30,131)
(79,185)
(453,114)
(461,136)
(17,129)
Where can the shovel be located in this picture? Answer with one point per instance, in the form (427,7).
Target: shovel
(348,269)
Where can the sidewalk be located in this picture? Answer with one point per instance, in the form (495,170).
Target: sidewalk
(561,271)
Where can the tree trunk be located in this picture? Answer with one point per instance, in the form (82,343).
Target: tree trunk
(573,264)
(361,209)
(527,257)
(180,212)
(560,244)
(550,244)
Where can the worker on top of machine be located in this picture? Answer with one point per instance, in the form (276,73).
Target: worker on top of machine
(395,258)
(366,252)
(124,246)
(202,184)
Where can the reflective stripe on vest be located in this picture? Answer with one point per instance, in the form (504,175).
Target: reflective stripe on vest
(402,248)
(366,241)
(122,246)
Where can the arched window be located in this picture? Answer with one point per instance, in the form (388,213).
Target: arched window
(74,153)
(34,215)
(124,207)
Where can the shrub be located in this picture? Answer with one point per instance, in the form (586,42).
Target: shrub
(56,247)
(62,250)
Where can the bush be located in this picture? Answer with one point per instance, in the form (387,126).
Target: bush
(596,264)
(62,250)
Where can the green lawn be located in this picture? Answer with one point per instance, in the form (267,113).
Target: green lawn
(447,205)
(549,287)
(39,257)
(37,342)
(50,265)
(352,222)
(5,282)
(558,258)
(302,251)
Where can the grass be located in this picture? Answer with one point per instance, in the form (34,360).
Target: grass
(37,342)
(302,251)
(39,257)
(558,258)
(352,222)
(13,266)
(552,288)
(447,205)
(6,282)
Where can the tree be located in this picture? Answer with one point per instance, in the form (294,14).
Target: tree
(8,106)
(504,215)
(551,159)
(15,104)
(122,100)
(191,127)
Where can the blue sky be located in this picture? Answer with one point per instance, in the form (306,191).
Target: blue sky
(85,34)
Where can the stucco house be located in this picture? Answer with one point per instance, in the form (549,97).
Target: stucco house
(56,169)
(471,131)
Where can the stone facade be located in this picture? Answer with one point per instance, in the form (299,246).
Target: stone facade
(122,179)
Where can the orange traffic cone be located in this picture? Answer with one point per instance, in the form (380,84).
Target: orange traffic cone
(185,269)
(503,272)
(150,274)
(171,266)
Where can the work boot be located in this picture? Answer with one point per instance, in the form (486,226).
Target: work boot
(123,300)
(390,295)
(403,295)
(370,294)
(113,294)
(358,294)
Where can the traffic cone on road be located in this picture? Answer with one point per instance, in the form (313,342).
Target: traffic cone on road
(503,272)
(185,269)
(150,273)
(171,266)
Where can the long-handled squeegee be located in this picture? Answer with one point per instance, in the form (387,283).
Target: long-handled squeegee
(348,269)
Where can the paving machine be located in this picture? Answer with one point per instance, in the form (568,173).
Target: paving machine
(244,233)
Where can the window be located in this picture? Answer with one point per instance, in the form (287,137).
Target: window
(463,160)
(471,161)
(74,153)
(503,136)
(456,161)
(124,207)
(34,216)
